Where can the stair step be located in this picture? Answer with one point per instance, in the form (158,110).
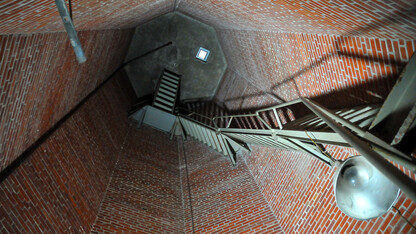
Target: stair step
(167,92)
(158,105)
(169,98)
(171,76)
(171,73)
(165,87)
(165,102)
(167,83)
(172,80)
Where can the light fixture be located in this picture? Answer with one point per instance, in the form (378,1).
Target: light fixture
(202,54)
(361,191)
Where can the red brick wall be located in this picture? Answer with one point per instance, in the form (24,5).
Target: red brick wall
(41,81)
(224,199)
(58,186)
(268,67)
(299,189)
(378,19)
(144,194)
(25,16)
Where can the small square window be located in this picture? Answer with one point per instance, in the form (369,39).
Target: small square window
(202,54)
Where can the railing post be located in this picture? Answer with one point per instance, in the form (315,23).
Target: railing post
(264,122)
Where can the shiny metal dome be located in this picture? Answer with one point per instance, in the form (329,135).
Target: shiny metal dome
(361,191)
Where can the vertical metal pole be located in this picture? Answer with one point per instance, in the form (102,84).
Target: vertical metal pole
(70,29)
(406,184)
(277,118)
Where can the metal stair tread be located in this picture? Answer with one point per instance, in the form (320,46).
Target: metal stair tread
(165,87)
(166,92)
(171,76)
(170,84)
(161,100)
(163,95)
(158,105)
(172,80)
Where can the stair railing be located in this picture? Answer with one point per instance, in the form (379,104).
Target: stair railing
(265,136)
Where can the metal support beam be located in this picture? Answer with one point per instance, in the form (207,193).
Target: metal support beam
(312,150)
(406,184)
(70,29)
(385,150)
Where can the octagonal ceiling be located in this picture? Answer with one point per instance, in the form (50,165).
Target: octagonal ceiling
(199,79)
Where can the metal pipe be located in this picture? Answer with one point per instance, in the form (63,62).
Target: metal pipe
(341,120)
(406,184)
(380,146)
(70,29)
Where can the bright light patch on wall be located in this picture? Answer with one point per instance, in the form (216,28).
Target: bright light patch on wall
(202,54)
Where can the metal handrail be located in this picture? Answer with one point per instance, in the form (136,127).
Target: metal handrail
(197,121)
(257,114)
(397,157)
(232,117)
(194,113)
(385,150)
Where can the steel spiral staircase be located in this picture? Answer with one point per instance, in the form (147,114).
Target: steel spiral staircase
(300,125)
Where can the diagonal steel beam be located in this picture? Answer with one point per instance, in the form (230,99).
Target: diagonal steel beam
(399,178)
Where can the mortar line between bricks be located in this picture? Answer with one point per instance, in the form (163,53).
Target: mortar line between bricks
(180,180)
(251,83)
(189,186)
(111,177)
(309,33)
(262,194)
(175,3)
(64,32)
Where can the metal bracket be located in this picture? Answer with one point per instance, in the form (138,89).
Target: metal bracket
(70,29)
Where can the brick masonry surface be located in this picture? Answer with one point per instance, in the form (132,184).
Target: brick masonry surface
(299,188)
(41,81)
(334,51)
(377,19)
(337,71)
(279,67)
(224,199)
(59,186)
(144,195)
(26,16)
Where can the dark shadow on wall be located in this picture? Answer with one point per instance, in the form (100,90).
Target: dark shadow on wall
(395,18)
(359,95)
(365,93)
(350,96)
(396,65)
(120,78)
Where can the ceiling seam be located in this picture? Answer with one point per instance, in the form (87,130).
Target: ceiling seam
(176,4)
(308,33)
